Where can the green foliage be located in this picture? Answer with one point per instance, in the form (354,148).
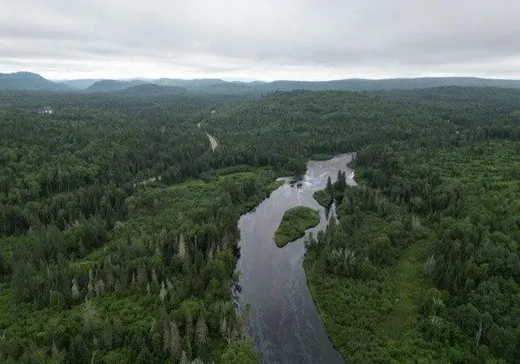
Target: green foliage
(321,157)
(294,223)
(240,352)
(118,225)
(418,266)
(333,191)
(323,197)
(101,252)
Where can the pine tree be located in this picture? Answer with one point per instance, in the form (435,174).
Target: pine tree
(145,356)
(184,358)
(57,355)
(75,289)
(166,339)
(78,351)
(201,331)
(187,344)
(169,285)
(142,278)
(100,288)
(163,292)
(329,187)
(133,282)
(155,280)
(91,319)
(174,341)
(189,335)
(224,328)
(90,285)
(182,247)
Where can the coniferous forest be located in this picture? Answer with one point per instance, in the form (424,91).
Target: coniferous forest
(118,223)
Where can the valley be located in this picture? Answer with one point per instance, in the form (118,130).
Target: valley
(128,234)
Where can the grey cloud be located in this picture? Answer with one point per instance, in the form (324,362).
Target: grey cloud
(265,39)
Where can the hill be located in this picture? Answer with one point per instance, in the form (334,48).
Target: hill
(189,84)
(388,84)
(150,89)
(29,81)
(112,85)
(80,84)
(32,81)
(366,85)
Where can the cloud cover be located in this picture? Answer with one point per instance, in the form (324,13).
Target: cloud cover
(263,39)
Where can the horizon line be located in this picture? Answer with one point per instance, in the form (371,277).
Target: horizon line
(252,80)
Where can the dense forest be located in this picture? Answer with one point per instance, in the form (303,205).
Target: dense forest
(118,237)
(118,224)
(423,263)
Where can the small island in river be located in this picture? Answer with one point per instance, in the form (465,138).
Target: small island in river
(294,223)
(323,197)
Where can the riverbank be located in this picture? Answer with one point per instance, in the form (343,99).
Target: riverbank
(368,308)
(366,291)
(391,289)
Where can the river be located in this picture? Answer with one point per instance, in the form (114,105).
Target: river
(282,317)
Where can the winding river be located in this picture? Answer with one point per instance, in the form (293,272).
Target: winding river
(282,318)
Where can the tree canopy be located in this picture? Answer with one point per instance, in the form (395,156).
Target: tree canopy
(118,223)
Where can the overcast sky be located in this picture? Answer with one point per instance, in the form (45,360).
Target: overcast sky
(261,39)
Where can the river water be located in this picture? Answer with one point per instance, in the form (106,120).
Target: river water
(282,318)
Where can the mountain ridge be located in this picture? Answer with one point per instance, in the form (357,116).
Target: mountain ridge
(107,85)
(150,89)
(34,81)
(29,81)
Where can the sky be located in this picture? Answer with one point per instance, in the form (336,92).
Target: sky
(262,39)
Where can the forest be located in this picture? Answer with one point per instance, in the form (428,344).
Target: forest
(422,265)
(118,224)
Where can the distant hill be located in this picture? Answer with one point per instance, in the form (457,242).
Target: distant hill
(29,81)
(205,85)
(189,84)
(150,89)
(220,86)
(117,85)
(32,81)
(80,84)
(388,84)
(112,85)
(232,87)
